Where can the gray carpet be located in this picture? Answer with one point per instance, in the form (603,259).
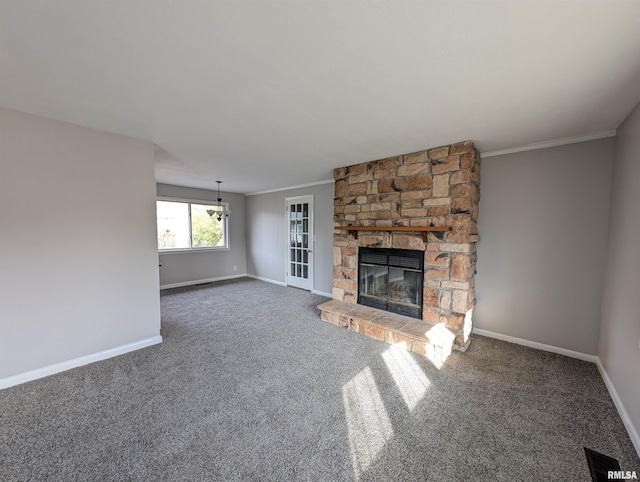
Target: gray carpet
(250,384)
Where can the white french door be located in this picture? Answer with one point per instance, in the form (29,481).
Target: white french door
(299,268)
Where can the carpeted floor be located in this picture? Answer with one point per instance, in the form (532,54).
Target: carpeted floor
(250,384)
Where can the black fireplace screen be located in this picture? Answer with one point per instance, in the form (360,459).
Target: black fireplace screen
(391,280)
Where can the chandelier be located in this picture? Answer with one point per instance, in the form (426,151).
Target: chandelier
(218,211)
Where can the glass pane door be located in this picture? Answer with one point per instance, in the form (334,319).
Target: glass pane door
(299,243)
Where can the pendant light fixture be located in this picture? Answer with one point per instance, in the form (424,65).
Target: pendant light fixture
(219,210)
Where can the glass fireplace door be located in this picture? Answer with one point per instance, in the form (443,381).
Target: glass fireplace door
(391,280)
(403,286)
(374,281)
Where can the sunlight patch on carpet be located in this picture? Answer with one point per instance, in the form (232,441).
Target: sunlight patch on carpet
(368,422)
(408,376)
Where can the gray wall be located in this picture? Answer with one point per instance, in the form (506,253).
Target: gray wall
(79,271)
(620,324)
(266,234)
(543,226)
(191,266)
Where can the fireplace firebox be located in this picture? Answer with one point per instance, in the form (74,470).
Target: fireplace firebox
(391,280)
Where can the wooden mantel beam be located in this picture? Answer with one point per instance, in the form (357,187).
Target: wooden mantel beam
(413,229)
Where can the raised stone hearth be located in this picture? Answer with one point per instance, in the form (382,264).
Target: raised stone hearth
(436,187)
(428,339)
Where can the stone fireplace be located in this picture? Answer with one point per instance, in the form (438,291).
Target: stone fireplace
(432,189)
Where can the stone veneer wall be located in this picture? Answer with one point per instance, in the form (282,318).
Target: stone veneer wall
(435,187)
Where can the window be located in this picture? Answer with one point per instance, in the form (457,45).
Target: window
(185,225)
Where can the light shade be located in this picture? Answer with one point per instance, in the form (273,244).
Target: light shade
(219,211)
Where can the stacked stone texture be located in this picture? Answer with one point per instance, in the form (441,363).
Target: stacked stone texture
(435,187)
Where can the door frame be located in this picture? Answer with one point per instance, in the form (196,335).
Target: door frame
(312,237)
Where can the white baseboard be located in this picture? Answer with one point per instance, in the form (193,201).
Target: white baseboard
(322,293)
(77,362)
(535,344)
(626,419)
(268,280)
(281,283)
(243,275)
(202,281)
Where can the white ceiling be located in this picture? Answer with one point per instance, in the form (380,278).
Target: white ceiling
(267,94)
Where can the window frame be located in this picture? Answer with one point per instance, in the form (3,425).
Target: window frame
(192,249)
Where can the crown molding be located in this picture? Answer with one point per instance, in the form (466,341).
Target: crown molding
(317,183)
(500,152)
(552,143)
